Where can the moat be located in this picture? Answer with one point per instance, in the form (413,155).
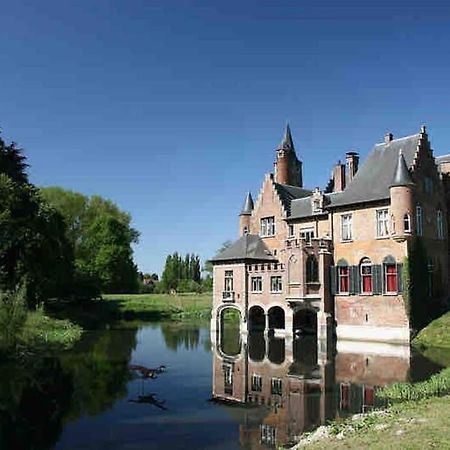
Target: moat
(242,392)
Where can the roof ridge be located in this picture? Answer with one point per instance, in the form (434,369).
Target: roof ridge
(398,139)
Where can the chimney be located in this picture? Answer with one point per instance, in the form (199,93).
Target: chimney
(339,177)
(352,160)
(388,137)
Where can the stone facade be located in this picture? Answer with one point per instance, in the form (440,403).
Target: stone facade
(336,258)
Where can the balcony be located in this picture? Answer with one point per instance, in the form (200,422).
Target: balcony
(228,296)
(320,243)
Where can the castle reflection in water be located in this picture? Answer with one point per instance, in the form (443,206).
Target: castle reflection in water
(280,388)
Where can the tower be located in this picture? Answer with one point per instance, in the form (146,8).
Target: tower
(401,193)
(245,215)
(288,168)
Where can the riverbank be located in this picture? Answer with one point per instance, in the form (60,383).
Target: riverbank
(412,425)
(145,307)
(435,335)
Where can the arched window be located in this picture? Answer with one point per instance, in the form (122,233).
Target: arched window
(407,223)
(365,268)
(312,269)
(390,275)
(343,273)
(245,230)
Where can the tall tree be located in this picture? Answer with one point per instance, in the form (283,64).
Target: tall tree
(13,162)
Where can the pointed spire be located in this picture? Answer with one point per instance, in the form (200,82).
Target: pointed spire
(402,177)
(248,206)
(287,142)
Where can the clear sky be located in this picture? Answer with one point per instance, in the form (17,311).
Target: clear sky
(173,109)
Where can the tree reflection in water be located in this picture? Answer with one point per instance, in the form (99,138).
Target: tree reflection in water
(177,334)
(38,396)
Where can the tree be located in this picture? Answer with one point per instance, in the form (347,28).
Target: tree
(13,162)
(102,237)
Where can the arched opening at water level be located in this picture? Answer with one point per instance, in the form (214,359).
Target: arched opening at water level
(256,319)
(230,337)
(305,322)
(276,318)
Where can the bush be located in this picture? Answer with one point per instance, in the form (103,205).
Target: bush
(13,315)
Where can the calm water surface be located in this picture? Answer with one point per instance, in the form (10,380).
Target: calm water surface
(254,393)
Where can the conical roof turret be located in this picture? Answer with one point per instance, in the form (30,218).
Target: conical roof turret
(287,143)
(402,177)
(248,206)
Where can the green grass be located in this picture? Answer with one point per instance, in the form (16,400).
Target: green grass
(436,334)
(411,425)
(134,307)
(436,385)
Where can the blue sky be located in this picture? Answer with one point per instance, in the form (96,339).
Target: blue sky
(173,109)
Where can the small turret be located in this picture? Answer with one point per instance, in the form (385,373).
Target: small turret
(245,215)
(401,193)
(288,168)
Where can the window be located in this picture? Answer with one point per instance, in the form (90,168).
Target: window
(317,207)
(366,276)
(344,279)
(307,234)
(346,227)
(277,386)
(382,223)
(440,224)
(419,219)
(228,285)
(407,223)
(256,284)
(256,383)
(291,230)
(312,269)
(228,378)
(428,185)
(268,226)
(345,396)
(245,230)
(268,435)
(390,278)
(276,284)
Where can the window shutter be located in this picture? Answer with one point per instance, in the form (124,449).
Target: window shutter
(333,279)
(377,279)
(399,277)
(357,277)
(352,281)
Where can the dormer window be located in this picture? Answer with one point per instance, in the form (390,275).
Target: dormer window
(267,226)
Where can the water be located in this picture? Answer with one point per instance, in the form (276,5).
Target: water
(238,393)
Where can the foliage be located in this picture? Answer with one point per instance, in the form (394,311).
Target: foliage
(32,243)
(436,334)
(13,315)
(436,385)
(416,284)
(179,273)
(13,162)
(208,266)
(102,236)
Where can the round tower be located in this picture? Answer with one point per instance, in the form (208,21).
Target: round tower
(402,201)
(246,215)
(288,168)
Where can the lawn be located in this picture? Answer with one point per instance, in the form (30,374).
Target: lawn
(436,334)
(411,425)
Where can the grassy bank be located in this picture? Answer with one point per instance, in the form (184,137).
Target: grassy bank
(411,425)
(436,334)
(129,307)
(39,334)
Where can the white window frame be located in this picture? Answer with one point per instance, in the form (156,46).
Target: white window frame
(440,224)
(307,234)
(257,280)
(382,222)
(228,281)
(276,284)
(366,262)
(267,226)
(276,384)
(385,275)
(346,227)
(407,220)
(256,382)
(419,220)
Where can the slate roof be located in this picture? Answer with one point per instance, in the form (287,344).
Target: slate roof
(247,247)
(371,182)
(287,143)
(248,206)
(402,177)
(289,193)
(442,159)
(373,179)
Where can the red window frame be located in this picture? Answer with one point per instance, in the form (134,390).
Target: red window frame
(344,279)
(366,278)
(390,278)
